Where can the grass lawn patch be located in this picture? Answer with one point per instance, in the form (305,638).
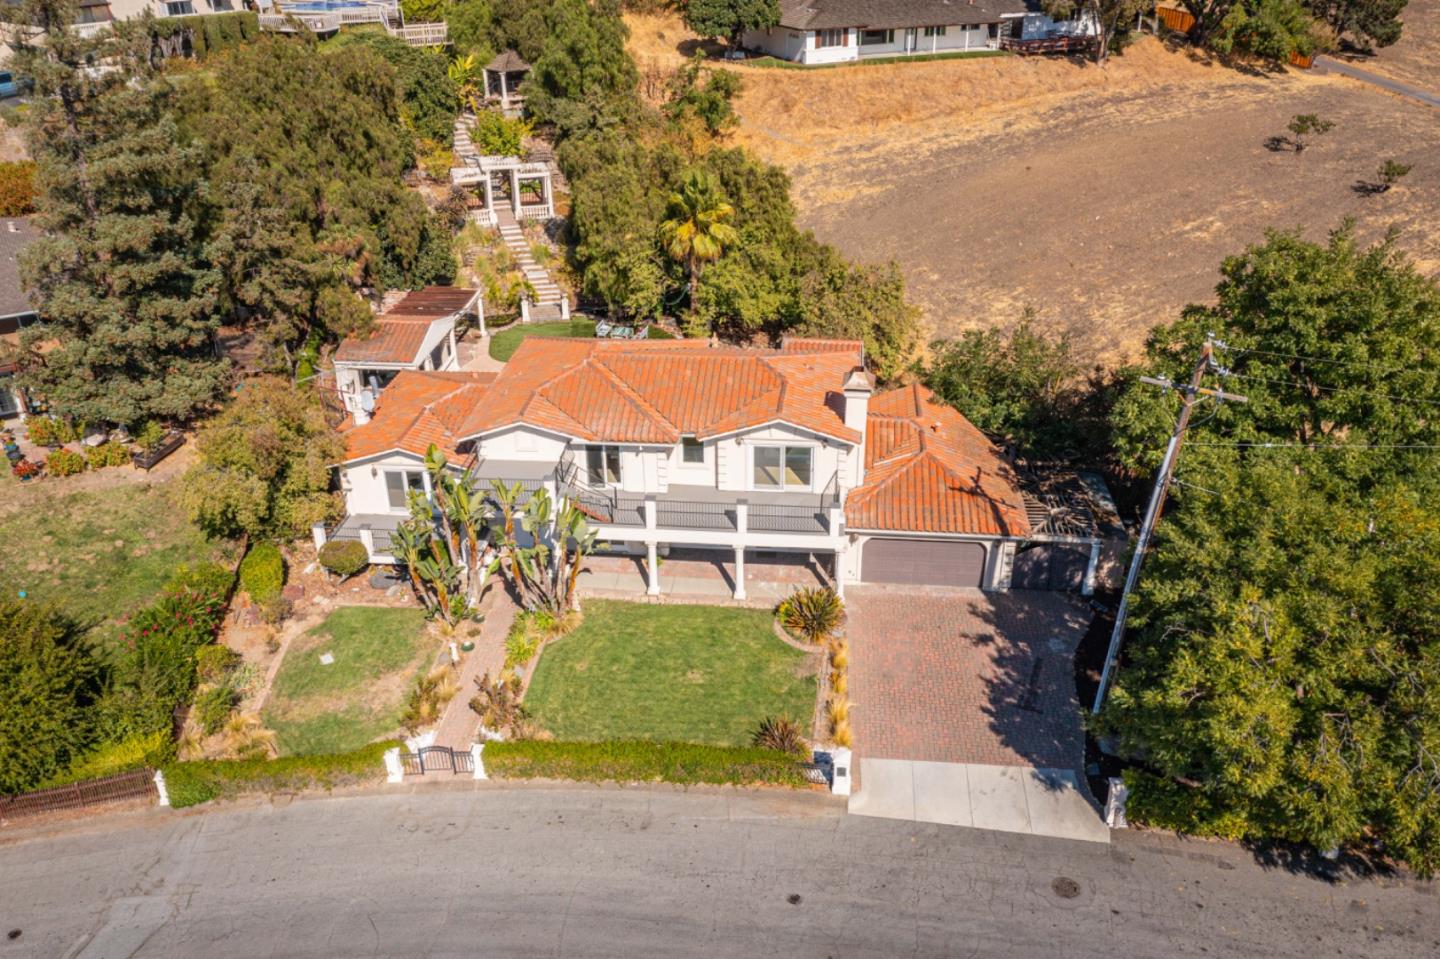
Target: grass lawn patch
(695,674)
(316,708)
(504,343)
(100,554)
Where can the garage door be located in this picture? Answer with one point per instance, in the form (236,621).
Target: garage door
(923,562)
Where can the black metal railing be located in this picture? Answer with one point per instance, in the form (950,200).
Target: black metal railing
(787,518)
(684,514)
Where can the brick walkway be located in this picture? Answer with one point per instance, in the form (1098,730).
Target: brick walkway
(456,728)
(966,677)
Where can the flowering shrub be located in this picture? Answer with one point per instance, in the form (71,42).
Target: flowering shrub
(156,674)
(25,469)
(65,462)
(43,430)
(107,454)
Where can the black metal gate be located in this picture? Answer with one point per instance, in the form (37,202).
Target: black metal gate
(438,759)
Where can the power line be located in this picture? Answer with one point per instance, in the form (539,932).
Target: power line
(1239,351)
(1330,389)
(1322,447)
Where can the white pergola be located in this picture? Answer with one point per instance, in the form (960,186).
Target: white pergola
(481,171)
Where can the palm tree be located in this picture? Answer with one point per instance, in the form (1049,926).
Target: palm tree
(697,228)
(465,74)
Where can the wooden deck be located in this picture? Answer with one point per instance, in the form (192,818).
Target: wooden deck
(330,21)
(1048,45)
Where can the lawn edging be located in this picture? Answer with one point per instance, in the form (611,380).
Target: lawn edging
(635,761)
(193,783)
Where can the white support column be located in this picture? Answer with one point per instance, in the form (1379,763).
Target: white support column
(367,539)
(489,193)
(742,517)
(317,534)
(651,512)
(839,573)
(515,191)
(454,354)
(740,572)
(652,569)
(477,755)
(1088,588)
(394,771)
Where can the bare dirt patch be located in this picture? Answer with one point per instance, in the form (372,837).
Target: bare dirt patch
(1103,199)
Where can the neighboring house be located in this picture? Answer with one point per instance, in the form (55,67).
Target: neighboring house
(834,31)
(417,333)
(15,311)
(679,443)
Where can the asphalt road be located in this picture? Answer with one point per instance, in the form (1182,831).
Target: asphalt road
(637,872)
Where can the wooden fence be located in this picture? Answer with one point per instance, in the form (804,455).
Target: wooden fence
(1175,19)
(122,787)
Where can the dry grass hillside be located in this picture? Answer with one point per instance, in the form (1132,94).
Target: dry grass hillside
(1416,58)
(1104,199)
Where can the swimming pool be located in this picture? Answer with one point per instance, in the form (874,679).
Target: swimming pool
(325,6)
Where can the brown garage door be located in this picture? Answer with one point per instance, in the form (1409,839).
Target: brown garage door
(923,562)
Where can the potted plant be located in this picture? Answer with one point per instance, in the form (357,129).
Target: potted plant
(27,469)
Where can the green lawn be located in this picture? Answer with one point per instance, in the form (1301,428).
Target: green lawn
(504,343)
(699,674)
(99,554)
(315,708)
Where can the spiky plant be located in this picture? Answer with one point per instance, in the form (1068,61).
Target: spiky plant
(247,738)
(812,614)
(780,734)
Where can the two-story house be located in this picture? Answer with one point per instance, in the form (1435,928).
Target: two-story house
(417,333)
(678,443)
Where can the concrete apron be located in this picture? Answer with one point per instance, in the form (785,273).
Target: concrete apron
(1041,802)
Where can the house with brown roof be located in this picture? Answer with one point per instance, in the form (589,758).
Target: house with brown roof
(417,333)
(836,31)
(684,444)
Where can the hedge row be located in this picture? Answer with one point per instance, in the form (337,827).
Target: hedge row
(190,784)
(207,33)
(262,573)
(683,763)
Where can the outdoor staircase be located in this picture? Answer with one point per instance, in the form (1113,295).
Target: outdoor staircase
(550,303)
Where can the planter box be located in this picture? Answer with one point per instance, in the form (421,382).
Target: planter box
(147,459)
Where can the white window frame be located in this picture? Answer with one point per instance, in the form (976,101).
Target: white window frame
(832,37)
(418,486)
(889,38)
(603,478)
(785,486)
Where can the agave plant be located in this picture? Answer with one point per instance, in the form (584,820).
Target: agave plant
(813,614)
(780,734)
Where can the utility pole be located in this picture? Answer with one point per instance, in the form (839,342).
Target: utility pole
(1188,393)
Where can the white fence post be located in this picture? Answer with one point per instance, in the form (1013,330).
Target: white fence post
(840,780)
(477,755)
(1115,804)
(394,771)
(160,788)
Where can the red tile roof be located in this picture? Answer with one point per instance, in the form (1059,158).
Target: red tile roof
(656,391)
(400,331)
(929,470)
(418,408)
(395,340)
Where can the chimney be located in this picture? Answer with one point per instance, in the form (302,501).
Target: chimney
(857,389)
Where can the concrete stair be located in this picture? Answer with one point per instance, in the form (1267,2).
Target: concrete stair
(550,303)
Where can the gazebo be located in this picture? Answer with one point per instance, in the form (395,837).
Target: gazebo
(503,77)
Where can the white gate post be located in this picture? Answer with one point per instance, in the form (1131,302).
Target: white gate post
(394,771)
(160,787)
(317,533)
(477,756)
(1115,804)
(841,778)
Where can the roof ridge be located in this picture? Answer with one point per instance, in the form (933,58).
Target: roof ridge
(631,394)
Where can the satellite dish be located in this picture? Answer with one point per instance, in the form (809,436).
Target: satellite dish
(367,400)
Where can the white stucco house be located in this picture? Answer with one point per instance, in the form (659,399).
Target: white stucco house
(837,31)
(736,451)
(416,333)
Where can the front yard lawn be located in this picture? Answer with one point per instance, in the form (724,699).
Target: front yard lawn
(318,708)
(698,674)
(100,554)
(504,343)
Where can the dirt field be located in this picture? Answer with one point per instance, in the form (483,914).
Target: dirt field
(1105,199)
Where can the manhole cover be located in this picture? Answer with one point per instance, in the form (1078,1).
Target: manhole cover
(1065,887)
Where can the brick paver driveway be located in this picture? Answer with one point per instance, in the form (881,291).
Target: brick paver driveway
(963,676)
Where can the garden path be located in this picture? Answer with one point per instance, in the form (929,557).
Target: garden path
(457,725)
